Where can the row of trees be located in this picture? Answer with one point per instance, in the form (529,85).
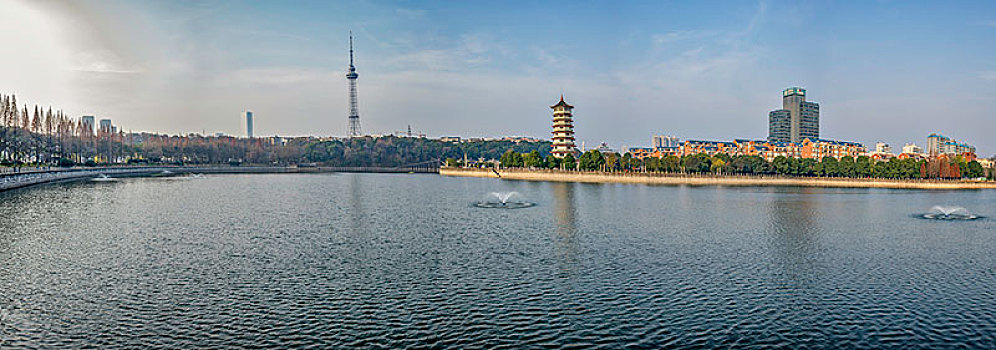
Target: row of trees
(399,151)
(50,137)
(860,167)
(45,136)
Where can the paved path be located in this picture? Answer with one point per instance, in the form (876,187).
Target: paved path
(9,181)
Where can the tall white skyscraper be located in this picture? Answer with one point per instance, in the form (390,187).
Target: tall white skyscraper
(248,115)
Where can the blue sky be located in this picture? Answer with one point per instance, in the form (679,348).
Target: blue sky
(890,71)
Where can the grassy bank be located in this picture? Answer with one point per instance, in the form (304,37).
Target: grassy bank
(714,180)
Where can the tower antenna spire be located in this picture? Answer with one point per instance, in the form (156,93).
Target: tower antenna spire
(353,129)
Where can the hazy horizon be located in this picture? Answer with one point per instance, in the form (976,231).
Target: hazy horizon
(882,71)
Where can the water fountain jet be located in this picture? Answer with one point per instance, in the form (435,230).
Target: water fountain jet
(940,212)
(503,200)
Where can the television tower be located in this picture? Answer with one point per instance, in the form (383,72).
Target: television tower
(354,111)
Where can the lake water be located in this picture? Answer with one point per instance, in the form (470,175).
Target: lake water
(395,261)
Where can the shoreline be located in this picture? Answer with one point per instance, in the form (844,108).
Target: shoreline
(712,180)
(11,180)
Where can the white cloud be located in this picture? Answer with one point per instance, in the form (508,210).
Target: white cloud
(661,39)
(278,76)
(410,13)
(467,53)
(101,61)
(988,75)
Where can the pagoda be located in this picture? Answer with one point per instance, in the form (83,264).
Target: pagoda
(563,129)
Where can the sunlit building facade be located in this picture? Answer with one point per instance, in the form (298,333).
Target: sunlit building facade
(817,149)
(797,120)
(938,144)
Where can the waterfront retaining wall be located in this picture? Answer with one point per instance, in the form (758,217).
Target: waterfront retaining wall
(711,180)
(10,180)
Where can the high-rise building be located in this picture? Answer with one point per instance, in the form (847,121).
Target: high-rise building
(665,141)
(354,110)
(88,122)
(939,144)
(105,126)
(248,116)
(779,126)
(803,118)
(563,129)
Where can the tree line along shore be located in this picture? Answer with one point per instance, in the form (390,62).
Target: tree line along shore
(43,137)
(658,178)
(861,167)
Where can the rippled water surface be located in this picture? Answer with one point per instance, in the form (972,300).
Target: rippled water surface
(396,261)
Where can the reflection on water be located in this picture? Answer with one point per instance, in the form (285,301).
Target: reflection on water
(566,227)
(792,222)
(402,261)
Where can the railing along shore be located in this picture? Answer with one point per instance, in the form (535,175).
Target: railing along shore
(23,177)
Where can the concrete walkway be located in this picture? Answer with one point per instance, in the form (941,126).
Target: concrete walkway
(9,181)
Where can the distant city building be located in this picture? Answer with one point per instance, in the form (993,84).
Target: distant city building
(912,148)
(779,126)
(641,152)
(987,163)
(88,123)
(518,139)
(454,139)
(665,141)
(882,147)
(938,144)
(603,147)
(796,120)
(248,116)
(813,149)
(105,126)
(563,129)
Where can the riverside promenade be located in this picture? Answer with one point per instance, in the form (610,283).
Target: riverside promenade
(10,180)
(712,180)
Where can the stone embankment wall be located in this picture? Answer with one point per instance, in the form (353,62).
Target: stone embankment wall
(712,180)
(10,180)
